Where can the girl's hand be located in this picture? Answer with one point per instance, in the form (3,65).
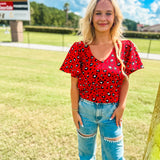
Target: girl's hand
(118,113)
(77,119)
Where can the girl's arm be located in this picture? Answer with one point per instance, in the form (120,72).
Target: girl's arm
(118,113)
(75,101)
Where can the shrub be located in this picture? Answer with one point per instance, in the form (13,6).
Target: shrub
(50,29)
(145,35)
(61,30)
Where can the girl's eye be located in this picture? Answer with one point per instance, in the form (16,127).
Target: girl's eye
(108,14)
(98,13)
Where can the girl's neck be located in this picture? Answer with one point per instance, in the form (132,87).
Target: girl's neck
(102,39)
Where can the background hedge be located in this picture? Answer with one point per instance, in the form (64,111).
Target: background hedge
(145,35)
(50,29)
(61,30)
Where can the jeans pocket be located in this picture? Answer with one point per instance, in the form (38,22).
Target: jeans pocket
(108,110)
(86,108)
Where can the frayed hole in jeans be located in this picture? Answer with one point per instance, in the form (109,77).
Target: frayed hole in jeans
(86,135)
(116,139)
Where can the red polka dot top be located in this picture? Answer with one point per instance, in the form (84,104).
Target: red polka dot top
(100,81)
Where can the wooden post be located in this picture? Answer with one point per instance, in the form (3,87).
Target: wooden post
(152,151)
(16,31)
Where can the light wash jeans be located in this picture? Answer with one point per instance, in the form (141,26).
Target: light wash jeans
(98,115)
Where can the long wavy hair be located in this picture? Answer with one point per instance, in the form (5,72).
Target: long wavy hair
(88,32)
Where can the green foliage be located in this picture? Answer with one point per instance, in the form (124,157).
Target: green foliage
(155,151)
(6,22)
(157,136)
(145,35)
(50,29)
(66,9)
(130,34)
(35,116)
(131,25)
(50,16)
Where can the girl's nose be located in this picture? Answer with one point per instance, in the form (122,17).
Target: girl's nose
(103,17)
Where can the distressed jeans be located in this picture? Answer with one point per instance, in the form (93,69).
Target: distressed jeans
(96,115)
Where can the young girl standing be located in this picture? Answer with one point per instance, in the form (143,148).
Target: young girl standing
(100,66)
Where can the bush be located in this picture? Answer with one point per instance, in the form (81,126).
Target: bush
(61,30)
(50,29)
(145,35)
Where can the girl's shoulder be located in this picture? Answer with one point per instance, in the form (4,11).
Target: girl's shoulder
(78,44)
(80,47)
(127,43)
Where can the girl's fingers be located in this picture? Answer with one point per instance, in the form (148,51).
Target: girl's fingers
(113,115)
(77,125)
(118,122)
(80,121)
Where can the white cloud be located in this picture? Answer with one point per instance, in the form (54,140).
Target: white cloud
(134,10)
(77,13)
(154,7)
(131,9)
(85,2)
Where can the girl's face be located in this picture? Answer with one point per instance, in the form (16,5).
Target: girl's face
(103,16)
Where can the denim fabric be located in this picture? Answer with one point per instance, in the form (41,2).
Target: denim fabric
(96,115)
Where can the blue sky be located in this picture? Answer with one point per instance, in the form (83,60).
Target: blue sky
(143,11)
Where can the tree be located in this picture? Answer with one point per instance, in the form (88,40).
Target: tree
(50,16)
(131,25)
(66,9)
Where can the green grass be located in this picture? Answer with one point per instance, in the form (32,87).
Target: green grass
(68,40)
(35,116)
(143,45)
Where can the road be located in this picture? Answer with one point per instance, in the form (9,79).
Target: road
(64,49)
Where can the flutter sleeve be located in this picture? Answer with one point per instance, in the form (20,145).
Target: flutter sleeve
(71,63)
(131,58)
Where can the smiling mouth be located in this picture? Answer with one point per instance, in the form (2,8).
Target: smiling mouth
(102,24)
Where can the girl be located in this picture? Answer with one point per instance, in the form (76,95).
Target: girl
(100,66)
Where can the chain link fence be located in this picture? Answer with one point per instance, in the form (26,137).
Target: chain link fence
(144,45)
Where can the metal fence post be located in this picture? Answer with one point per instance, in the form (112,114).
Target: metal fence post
(149,48)
(28,38)
(63,41)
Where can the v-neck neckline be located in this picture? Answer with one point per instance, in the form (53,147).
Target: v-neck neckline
(97,58)
(102,61)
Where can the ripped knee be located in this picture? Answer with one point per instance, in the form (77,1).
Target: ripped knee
(86,135)
(116,139)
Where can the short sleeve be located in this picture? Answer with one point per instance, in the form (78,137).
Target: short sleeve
(131,58)
(71,63)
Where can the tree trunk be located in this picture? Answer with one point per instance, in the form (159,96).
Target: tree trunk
(152,151)
(66,17)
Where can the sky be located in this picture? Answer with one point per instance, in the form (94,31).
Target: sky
(143,11)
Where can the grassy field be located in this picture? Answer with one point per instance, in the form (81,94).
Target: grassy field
(35,115)
(67,40)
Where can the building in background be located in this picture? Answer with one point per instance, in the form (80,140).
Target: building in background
(154,28)
(140,27)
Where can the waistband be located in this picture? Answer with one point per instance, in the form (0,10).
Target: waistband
(87,101)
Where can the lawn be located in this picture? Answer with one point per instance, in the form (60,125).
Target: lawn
(68,40)
(35,115)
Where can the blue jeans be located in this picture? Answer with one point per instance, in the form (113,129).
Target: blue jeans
(96,115)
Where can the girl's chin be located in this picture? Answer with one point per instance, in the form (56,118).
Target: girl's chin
(103,30)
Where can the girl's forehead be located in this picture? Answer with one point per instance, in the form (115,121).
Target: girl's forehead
(104,5)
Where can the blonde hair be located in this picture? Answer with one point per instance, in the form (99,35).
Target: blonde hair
(88,32)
